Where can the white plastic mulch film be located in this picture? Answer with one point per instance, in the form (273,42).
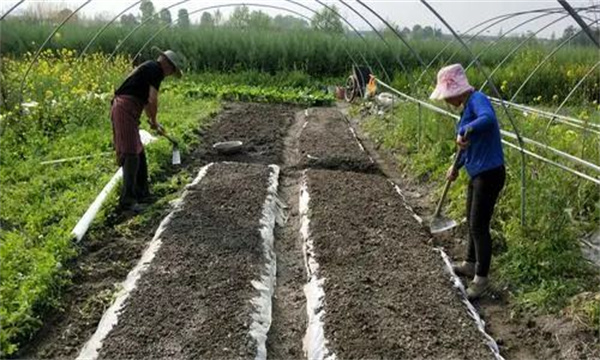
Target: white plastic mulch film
(314,343)
(272,214)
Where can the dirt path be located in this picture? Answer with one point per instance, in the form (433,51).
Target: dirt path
(289,305)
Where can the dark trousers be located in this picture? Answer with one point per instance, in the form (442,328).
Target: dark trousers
(482,194)
(135,178)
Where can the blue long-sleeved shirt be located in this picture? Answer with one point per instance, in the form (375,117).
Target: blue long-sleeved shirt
(485,146)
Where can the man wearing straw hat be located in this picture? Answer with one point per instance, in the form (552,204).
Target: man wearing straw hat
(478,135)
(137,94)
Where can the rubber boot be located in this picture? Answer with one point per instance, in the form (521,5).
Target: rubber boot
(130,164)
(464,269)
(478,287)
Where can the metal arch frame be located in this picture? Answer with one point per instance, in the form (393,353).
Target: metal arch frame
(482,52)
(299,4)
(501,17)
(261,5)
(134,30)
(333,11)
(495,90)
(579,21)
(564,155)
(39,51)
(521,44)
(566,99)
(376,32)
(143,47)
(101,31)
(290,1)
(564,120)
(386,23)
(541,63)
(11,9)
(504,18)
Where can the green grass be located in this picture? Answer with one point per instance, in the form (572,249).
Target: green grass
(541,263)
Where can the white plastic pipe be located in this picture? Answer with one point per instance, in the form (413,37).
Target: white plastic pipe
(86,220)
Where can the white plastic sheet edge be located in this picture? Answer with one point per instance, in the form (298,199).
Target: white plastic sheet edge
(358,141)
(491,343)
(262,303)
(314,342)
(110,317)
(406,205)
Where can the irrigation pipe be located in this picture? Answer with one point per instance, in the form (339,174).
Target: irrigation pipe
(86,220)
(60,161)
(546,114)
(548,161)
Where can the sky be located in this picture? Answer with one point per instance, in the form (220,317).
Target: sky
(461,15)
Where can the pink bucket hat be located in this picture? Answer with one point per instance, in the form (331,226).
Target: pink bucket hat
(451,81)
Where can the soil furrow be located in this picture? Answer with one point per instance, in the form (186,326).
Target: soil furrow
(289,305)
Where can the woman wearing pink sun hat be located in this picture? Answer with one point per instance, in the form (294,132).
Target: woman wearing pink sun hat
(483,158)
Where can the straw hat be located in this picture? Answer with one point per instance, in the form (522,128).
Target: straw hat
(174,59)
(451,81)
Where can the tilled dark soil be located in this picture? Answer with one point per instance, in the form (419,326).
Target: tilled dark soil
(261,127)
(386,292)
(326,142)
(193,302)
(110,251)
